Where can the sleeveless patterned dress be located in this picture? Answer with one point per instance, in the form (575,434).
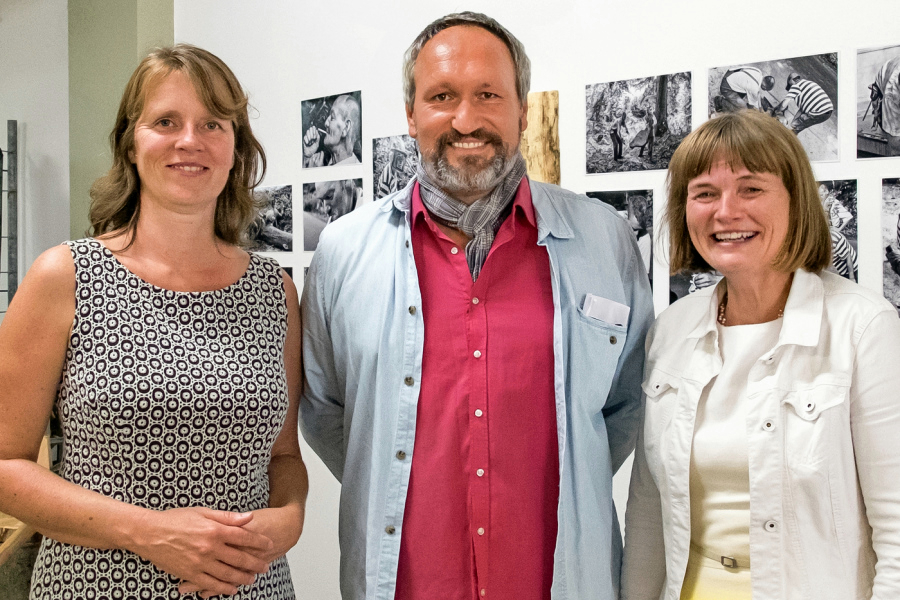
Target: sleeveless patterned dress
(167,399)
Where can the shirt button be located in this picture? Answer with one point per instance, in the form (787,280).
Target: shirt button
(477,354)
(810,406)
(401,455)
(390,530)
(481,531)
(412,310)
(480,472)
(483,592)
(478,412)
(768,426)
(454,250)
(409,380)
(612,339)
(474,300)
(407,243)
(771,526)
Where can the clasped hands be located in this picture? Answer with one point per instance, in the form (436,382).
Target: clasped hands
(213,552)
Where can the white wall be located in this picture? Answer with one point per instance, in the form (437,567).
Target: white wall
(34,90)
(285,51)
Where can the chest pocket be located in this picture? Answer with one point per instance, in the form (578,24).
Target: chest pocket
(599,345)
(813,420)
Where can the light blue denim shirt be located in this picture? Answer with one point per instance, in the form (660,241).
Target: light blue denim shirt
(362,353)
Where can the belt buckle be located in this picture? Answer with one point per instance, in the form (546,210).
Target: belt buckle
(728,562)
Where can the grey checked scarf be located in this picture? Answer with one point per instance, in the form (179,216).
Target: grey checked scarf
(479,220)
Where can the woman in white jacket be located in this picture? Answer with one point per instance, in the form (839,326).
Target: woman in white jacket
(767,466)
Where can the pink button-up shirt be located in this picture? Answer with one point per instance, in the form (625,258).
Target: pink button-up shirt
(480,518)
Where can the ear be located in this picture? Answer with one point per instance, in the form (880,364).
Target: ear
(131,156)
(411,121)
(523,117)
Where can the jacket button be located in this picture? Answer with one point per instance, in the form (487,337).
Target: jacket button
(390,530)
(810,406)
(771,526)
(407,243)
(409,380)
(612,339)
(401,455)
(412,310)
(768,426)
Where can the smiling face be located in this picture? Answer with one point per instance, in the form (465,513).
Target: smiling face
(182,152)
(466,115)
(737,220)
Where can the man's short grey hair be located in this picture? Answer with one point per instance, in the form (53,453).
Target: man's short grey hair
(473,19)
(349,109)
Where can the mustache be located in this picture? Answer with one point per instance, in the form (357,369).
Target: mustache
(482,135)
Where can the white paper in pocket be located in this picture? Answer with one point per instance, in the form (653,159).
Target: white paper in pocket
(601,308)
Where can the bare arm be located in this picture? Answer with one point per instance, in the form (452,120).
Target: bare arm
(187,543)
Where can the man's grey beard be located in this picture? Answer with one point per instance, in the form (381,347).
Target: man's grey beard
(455,180)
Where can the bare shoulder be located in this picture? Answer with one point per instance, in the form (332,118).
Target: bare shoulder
(51,278)
(290,290)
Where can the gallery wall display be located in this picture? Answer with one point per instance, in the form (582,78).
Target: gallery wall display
(636,207)
(332,127)
(801,92)
(540,140)
(878,102)
(636,124)
(682,284)
(839,201)
(394,162)
(890,239)
(273,228)
(325,201)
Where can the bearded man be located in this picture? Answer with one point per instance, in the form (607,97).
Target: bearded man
(473,350)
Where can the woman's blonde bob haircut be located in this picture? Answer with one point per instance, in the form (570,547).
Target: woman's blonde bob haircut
(760,143)
(115,197)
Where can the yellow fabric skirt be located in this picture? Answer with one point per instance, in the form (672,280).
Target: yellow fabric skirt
(708,579)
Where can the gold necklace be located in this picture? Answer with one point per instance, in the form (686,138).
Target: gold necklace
(724,303)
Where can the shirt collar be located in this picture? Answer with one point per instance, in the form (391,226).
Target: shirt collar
(412,202)
(802,312)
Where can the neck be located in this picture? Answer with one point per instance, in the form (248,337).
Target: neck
(175,238)
(757,301)
(341,152)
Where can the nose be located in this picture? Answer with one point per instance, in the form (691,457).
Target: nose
(466,117)
(729,205)
(189,138)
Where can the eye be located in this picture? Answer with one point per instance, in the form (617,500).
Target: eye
(212,125)
(442,97)
(165,122)
(489,95)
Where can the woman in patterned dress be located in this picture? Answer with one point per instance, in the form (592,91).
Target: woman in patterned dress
(173,357)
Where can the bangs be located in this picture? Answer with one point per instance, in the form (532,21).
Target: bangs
(740,144)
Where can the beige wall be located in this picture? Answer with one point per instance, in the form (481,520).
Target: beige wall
(107,39)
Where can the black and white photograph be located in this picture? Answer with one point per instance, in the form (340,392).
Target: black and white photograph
(332,128)
(890,239)
(839,200)
(636,124)
(687,283)
(636,207)
(878,102)
(325,201)
(800,92)
(394,162)
(273,228)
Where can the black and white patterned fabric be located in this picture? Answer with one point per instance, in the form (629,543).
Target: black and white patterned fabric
(167,399)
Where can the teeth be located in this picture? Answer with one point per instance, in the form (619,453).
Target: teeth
(189,169)
(468,144)
(734,235)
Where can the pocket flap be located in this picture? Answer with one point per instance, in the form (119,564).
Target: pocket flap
(658,383)
(809,403)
